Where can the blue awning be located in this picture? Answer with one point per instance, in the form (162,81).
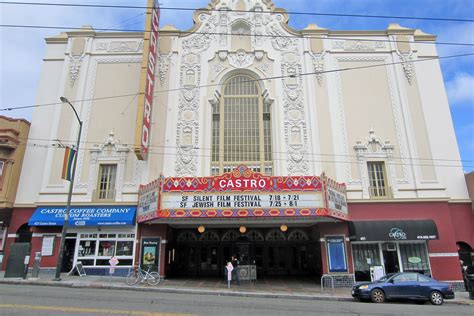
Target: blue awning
(117,215)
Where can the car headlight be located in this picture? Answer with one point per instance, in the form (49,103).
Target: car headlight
(363,287)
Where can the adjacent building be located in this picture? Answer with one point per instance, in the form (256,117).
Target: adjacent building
(13,138)
(304,152)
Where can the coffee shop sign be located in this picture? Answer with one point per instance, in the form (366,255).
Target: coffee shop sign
(397,233)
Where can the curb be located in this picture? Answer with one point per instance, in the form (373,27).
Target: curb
(320,297)
(178,290)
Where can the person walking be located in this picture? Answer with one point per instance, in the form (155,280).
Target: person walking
(235,271)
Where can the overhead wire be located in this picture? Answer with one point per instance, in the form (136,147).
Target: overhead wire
(253,80)
(302,36)
(63,141)
(108,6)
(274,158)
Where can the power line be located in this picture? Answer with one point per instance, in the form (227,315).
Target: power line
(326,37)
(255,80)
(274,158)
(62,141)
(373,16)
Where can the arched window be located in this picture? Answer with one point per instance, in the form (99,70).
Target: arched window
(275,235)
(254,235)
(230,236)
(24,234)
(297,235)
(209,236)
(186,236)
(241,130)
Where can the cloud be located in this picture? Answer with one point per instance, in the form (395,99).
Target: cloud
(461,89)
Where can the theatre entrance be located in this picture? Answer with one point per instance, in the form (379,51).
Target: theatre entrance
(273,252)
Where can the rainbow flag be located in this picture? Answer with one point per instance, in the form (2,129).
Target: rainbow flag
(69,156)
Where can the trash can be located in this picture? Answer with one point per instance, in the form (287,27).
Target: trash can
(470,285)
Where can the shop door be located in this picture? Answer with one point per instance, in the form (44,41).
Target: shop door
(277,260)
(390,259)
(298,259)
(185,263)
(68,256)
(209,261)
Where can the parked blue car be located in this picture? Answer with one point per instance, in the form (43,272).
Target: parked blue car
(404,285)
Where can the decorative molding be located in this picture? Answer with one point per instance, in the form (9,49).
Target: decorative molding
(133,46)
(373,147)
(318,64)
(396,108)
(163,65)
(241,59)
(296,135)
(110,151)
(358,45)
(407,64)
(85,107)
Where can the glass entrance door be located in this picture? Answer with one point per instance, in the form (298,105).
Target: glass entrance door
(209,260)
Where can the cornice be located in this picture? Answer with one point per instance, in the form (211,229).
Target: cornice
(394,201)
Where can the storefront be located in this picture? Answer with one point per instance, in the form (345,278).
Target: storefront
(95,234)
(274,225)
(392,246)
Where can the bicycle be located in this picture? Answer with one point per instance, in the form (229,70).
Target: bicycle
(140,275)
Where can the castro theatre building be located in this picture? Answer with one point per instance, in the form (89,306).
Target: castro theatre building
(245,136)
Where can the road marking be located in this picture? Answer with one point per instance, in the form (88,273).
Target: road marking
(87,310)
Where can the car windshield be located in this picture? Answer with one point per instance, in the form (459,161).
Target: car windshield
(385,278)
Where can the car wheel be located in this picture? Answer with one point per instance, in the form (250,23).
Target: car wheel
(377,296)
(436,298)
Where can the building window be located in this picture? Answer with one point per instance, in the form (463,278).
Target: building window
(2,164)
(241,129)
(3,235)
(414,257)
(377,179)
(96,250)
(365,256)
(106,183)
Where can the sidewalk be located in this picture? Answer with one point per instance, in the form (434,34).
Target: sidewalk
(267,288)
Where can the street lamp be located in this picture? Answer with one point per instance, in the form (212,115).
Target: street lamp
(59,264)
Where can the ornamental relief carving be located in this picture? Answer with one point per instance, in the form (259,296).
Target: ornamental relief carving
(241,59)
(294,116)
(163,65)
(358,45)
(407,64)
(318,64)
(200,42)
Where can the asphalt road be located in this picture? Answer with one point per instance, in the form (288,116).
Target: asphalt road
(43,300)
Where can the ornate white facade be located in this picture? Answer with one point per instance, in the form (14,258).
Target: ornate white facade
(333,105)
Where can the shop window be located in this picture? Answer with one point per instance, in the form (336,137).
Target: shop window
(365,256)
(336,254)
(86,249)
(97,249)
(377,179)
(106,182)
(124,248)
(414,258)
(106,248)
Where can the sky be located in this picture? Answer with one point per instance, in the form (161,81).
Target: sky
(22,49)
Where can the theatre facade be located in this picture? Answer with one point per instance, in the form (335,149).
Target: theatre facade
(302,151)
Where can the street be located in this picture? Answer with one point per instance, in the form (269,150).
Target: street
(45,300)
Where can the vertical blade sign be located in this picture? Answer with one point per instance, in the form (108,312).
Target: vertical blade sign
(147,80)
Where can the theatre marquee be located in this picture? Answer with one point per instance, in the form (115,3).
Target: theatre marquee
(244,194)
